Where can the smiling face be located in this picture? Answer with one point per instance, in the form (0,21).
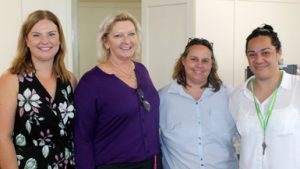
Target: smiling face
(263,57)
(122,40)
(197,65)
(43,41)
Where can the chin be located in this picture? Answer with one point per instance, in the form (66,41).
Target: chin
(262,76)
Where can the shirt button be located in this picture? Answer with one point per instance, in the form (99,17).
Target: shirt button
(196,102)
(145,135)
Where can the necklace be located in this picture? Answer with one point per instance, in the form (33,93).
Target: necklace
(130,75)
(264,121)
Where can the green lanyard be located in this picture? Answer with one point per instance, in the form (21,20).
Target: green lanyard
(264,121)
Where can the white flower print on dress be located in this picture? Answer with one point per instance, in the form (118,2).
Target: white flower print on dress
(20,140)
(31,164)
(46,123)
(67,111)
(27,76)
(28,101)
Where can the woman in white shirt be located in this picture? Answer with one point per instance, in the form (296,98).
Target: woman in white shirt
(266,108)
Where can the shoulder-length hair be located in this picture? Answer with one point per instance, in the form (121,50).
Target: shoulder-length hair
(107,25)
(179,71)
(22,62)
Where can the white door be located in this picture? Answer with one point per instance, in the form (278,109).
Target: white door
(166,25)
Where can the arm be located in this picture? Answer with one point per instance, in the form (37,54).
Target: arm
(84,125)
(8,104)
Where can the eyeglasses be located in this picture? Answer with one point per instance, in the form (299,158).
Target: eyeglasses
(144,102)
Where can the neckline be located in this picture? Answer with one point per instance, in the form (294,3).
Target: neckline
(45,90)
(250,86)
(112,75)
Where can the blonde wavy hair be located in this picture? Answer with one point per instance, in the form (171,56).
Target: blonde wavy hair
(107,26)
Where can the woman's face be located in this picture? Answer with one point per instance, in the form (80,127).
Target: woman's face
(122,40)
(43,41)
(197,65)
(262,57)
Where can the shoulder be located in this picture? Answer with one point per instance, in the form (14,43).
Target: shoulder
(294,78)
(8,79)
(227,88)
(8,84)
(90,79)
(164,89)
(140,67)
(291,80)
(91,75)
(173,87)
(237,95)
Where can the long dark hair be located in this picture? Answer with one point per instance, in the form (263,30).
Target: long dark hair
(179,72)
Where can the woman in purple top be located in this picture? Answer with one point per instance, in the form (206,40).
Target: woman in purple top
(116,124)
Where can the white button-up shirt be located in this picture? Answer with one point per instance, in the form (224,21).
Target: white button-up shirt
(196,134)
(283,129)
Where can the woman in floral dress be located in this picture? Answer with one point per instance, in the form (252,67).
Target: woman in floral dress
(36,99)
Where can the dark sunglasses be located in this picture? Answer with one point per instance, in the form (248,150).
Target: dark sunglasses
(144,102)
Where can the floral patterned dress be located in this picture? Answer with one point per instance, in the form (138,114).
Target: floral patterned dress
(43,136)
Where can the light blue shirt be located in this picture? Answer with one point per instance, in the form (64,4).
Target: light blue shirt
(196,134)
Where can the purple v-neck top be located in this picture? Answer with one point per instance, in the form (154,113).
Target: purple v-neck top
(111,124)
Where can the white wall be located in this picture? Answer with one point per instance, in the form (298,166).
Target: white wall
(227,23)
(8,31)
(12,14)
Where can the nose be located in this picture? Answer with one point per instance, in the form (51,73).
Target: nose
(44,39)
(259,58)
(126,39)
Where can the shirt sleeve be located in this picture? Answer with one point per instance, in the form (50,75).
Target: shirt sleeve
(85,104)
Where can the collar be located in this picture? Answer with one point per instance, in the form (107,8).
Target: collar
(285,83)
(176,88)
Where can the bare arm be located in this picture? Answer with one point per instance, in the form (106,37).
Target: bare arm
(8,103)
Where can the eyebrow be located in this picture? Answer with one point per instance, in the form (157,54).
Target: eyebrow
(264,49)
(46,32)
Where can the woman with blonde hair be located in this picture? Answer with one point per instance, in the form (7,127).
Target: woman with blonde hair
(116,126)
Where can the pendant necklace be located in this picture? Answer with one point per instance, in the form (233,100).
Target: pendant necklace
(264,121)
(130,76)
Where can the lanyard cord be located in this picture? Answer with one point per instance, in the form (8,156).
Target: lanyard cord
(264,121)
